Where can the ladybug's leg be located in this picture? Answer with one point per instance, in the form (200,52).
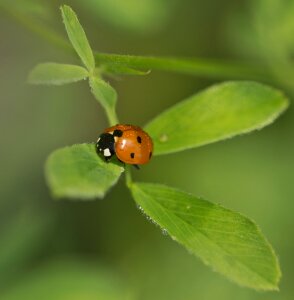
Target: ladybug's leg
(136,167)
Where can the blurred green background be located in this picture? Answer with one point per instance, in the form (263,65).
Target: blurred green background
(106,249)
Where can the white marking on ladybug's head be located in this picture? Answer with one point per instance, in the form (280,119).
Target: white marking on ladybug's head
(98,140)
(106,152)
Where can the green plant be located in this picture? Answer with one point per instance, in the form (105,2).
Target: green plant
(227,241)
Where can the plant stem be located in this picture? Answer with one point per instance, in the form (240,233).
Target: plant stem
(112,117)
(128,175)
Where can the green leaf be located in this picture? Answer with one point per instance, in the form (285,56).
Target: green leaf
(209,68)
(219,112)
(78,37)
(122,70)
(106,95)
(79,172)
(227,241)
(103,92)
(56,74)
(67,279)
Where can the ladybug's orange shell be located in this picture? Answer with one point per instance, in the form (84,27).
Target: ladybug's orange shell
(135,146)
(122,127)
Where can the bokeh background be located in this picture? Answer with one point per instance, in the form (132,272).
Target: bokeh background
(106,249)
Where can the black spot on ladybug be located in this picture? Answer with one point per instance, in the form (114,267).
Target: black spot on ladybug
(117,133)
(150,154)
(132,155)
(139,139)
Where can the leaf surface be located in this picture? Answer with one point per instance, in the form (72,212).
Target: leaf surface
(122,70)
(227,241)
(217,113)
(208,68)
(78,37)
(78,172)
(56,74)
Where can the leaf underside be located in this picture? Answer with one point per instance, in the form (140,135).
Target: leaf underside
(227,241)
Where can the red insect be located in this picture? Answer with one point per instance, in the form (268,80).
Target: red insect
(129,143)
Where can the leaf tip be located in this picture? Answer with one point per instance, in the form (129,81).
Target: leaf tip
(64,7)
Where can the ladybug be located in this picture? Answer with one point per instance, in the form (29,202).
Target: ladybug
(131,144)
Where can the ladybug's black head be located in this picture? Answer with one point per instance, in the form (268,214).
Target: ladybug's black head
(105,145)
